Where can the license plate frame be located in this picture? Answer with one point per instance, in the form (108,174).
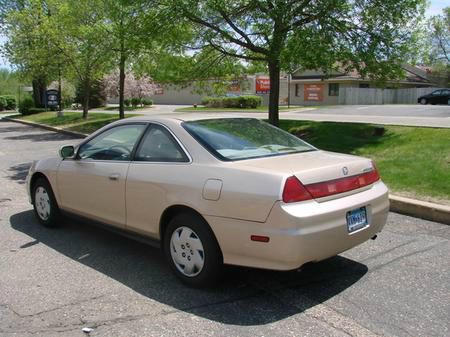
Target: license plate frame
(356,219)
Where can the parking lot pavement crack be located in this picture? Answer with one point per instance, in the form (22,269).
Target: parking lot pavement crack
(336,320)
(210,304)
(401,257)
(384,252)
(56,308)
(339,321)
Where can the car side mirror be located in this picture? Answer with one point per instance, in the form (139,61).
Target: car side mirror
(67,151)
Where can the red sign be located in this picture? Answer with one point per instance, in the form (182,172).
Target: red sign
(313,92)
(262,85)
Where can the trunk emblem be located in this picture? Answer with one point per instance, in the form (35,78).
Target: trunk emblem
(345,170)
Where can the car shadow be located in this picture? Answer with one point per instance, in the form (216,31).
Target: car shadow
(245,296)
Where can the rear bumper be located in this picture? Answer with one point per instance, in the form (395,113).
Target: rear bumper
(301,232)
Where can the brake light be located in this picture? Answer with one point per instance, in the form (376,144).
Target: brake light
(327,188)
(295,191)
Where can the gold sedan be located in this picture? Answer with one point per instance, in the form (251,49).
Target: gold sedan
(214,191)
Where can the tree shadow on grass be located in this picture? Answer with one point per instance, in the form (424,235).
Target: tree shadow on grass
(245,297)
(339,137)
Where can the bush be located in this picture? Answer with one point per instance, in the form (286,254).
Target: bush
(127,102)
(10,102)
(7,102)
(135,101)
(25,105)
(2,103)
(244,102)
(147,102)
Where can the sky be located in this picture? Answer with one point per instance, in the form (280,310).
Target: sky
(435,7)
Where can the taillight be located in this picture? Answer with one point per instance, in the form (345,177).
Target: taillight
(295,191)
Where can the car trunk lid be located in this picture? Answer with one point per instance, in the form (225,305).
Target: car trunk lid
(324,174)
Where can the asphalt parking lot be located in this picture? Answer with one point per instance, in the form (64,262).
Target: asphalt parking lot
(56,282)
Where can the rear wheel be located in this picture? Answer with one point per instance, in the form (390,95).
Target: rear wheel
(192,250)
(423,101)
(44,203)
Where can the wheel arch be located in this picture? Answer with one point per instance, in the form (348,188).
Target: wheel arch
(34,178)
(174,210)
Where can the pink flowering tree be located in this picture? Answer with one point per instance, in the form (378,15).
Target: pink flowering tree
(136,88)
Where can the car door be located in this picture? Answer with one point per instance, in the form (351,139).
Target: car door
(435,97)
(93,183)
(445,96)
(157,178)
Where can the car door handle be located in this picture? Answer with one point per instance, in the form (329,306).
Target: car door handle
(114,176)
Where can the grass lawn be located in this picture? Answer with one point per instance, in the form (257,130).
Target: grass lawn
(412,161)
(74,121)
(259,109)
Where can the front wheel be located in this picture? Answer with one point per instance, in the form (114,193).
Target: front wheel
(44,203)
(192,250)
(423,101)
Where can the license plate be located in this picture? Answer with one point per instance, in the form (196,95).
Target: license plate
(356,219)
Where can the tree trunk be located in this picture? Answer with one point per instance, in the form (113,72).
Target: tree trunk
(60,107)
(274,73)
(39,89)
(122,81)
(87,91)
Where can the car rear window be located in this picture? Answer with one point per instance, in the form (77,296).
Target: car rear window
(244,138)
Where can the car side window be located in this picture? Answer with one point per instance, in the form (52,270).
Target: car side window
(445,92)
(158,145)
(116,143)
(436,93)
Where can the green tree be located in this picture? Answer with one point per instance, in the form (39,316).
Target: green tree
(27,47)
(9,82)
(439,28)
(370,36)
(77,30)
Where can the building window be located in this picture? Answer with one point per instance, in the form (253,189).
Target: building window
(333,89)
(364,85)
(297,90)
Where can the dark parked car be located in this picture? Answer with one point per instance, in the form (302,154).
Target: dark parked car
(441,96)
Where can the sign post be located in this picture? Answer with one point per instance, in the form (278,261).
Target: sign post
(52,98)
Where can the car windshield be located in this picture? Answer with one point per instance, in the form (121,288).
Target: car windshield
(244,138)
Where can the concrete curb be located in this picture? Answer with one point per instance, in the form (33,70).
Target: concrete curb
(47,127)
(416,208)
(420,209)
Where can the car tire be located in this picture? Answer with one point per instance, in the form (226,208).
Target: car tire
(44,203)
(423,101)
(192,250)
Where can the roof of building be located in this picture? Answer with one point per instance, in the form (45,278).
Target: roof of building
(412,75)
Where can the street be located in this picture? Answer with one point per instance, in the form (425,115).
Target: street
(54,282)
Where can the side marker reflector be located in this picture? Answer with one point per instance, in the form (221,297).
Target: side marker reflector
(259,238)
